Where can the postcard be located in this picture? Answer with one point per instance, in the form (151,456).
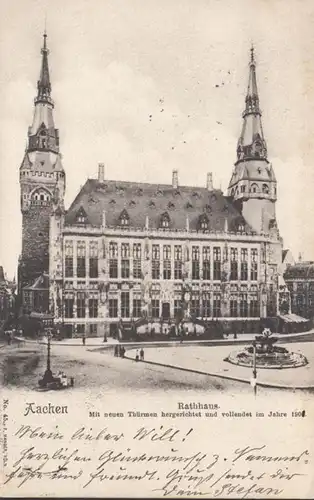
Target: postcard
(157,249)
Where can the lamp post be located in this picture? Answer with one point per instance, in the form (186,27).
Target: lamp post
(254,385)
(48,373)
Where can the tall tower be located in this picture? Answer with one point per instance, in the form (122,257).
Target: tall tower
(253,185)
(42,180)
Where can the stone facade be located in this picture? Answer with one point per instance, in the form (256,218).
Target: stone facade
(133,251)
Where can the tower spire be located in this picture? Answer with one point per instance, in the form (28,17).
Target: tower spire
(43,84)
(251,144)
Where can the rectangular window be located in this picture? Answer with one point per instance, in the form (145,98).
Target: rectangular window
(125,250)
(206,305)
(113,268)
(113,308)
(217,306)
(254,309)
(68,307)
(244,264)
(233,307)
(156,269)
(234,264)
(195,305)
(137,269)
(217,263)
(177,308)
(80,329)
(137,308)
(81,259)
(177,270)
(125,268)
(137,251)
(68,263)
(177,262)
(125,304)
(93,259)
(195,263)
(155,262)
(155,308)
(167,262)
(93,329)
(243,305)
(137,260)
(113,250)
(80,305)
(254,255)
(93,267)
(206,263)
(93,308)
(113,259)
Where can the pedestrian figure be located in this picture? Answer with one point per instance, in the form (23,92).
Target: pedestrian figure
(235,335)
(116,350)
(105,338)
(122,352)
(137,357)
(83,340)
(72,381)
(142,354)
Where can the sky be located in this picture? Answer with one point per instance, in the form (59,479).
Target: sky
(113,63)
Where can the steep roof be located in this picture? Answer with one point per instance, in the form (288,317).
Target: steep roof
(301,271)
(141,200)
(40,283)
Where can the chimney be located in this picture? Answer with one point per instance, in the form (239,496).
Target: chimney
(175,180)
(209,181)
(101,172)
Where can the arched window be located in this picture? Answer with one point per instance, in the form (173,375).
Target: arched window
(265,189)
(254,188)
(40,196)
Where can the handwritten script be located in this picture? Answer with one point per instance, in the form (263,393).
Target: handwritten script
(164,460)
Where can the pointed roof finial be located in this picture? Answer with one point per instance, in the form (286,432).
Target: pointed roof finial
(43,84)
(252,54)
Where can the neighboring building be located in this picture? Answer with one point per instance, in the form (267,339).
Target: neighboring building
(7,297)
(300,281)
(130,250)
(36,296)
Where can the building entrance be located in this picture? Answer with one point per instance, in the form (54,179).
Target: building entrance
(165,310)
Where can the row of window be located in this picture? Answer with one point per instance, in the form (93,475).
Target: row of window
(166,263)
(167,271)
(199,308)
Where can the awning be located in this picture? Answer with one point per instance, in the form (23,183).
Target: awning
(293,318)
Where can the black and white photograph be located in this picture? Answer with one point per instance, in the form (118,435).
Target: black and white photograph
(157,248)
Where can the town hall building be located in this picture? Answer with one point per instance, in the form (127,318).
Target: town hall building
(134,252)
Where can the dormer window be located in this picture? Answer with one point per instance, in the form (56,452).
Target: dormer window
(241,228)
(81,217)
(124,219)
(171,205)
(159,192)
(165,220)
(203,222)
(189,205)
(265,189)
(152,204)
